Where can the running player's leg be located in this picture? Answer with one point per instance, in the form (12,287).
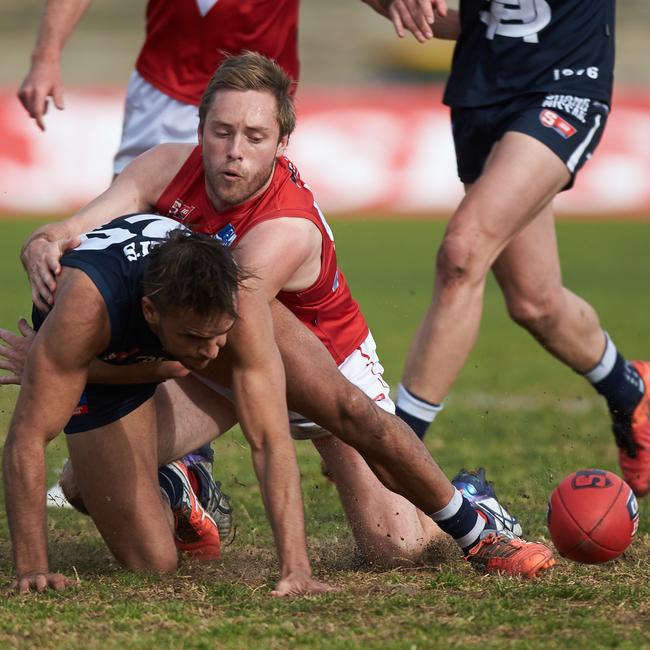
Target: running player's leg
(528,272)
(514,157)
(521,177)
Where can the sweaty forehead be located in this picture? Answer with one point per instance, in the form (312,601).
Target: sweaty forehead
(253,108)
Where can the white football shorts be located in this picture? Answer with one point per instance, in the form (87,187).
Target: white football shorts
(362,368)
(151,118)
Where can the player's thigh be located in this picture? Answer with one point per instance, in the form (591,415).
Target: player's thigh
(521,177)
(515,156)
(528,269)
(189,414)
(116,470)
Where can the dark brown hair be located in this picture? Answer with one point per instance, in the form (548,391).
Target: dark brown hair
(193,272)
(253,71)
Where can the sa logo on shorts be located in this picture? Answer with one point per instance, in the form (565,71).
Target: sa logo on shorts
(552,120)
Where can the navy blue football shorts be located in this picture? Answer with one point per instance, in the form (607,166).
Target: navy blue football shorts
(102,404)
(569,125)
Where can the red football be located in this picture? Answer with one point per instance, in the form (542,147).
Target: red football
(592,516)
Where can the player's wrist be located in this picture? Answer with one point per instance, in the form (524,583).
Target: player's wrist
(295,567)
(30,572)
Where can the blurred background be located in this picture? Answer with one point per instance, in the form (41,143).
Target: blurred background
(372,135)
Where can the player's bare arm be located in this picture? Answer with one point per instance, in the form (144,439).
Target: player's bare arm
(15,347)
(136,189)
(274,253)
(43,80)
(54,377)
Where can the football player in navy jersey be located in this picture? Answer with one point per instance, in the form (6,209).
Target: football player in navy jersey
(131,293)
(530,91)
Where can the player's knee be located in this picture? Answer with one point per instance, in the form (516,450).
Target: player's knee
(149,560)
(459,262)
(535,313)
(390,550)
(70,489)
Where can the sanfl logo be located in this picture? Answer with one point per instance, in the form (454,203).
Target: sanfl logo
(525,20)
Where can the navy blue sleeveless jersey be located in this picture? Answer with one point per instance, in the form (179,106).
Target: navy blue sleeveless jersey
(114,257)
(511,47)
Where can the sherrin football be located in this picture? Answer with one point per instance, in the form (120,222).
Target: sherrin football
(592,516)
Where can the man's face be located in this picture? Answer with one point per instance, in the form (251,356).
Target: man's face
(187,337)
(241,143)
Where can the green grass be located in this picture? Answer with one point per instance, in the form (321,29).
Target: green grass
(514,410)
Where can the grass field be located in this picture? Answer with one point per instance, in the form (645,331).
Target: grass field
(514,410)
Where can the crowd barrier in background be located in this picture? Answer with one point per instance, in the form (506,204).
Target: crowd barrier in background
(374,151)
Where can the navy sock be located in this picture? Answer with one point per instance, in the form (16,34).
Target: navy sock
(618,382)
(415,411)
(460,520)
(419,426)
(171,486)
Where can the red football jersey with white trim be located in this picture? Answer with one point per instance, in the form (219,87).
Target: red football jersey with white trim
(327,307)
(186,40)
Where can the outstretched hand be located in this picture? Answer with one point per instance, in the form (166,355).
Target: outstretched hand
(14,352)
(300,584)
(416,16)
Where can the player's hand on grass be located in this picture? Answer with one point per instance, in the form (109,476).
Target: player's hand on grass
(41,259)
(416,16)
(300,583)
(39,581)
(42,82)
(13,351)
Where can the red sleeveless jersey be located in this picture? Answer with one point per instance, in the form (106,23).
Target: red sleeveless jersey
(327,307)
(185,40)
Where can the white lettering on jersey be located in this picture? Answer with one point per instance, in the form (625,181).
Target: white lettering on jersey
(155,226)
(205,5)
(517,19)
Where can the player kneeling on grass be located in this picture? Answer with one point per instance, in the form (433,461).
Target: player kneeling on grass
(131,293)
(239,186)
(318,389)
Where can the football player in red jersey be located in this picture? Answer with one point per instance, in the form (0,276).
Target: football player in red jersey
(237,185)
(184,43)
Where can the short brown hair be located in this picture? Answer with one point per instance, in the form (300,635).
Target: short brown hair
(253,71)
(192,272)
